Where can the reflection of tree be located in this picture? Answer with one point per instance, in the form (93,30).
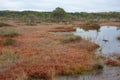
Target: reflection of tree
(97,33)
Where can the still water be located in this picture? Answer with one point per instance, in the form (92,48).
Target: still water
(108,73)
(105,37)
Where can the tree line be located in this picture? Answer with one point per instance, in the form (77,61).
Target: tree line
(57,15)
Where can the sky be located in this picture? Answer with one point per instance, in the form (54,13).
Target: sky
(67,5)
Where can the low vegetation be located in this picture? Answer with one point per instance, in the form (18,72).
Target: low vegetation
(9,41)
(8,34)
(6,37)
(98,67)
(113,62)
(8,58)
(70,39)
(63,29)
(90,25)
(4,24)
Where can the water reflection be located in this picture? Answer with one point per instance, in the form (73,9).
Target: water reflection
(105,37)
(109,73)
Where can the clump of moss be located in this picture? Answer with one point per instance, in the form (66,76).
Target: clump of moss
(70,39)
(98,66)
(9,41)
(113,62)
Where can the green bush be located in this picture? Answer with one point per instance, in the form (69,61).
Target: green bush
(9,41)
(58,14)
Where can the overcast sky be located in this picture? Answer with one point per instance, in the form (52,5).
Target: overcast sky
(68,5)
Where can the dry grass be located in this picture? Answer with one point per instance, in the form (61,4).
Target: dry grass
(87,25)
(8,57)
(90,26)
(70,39)
(83,44)
(8,33)
(4,24)
(63,28)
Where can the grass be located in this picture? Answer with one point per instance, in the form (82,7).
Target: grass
(8,57)
(4,24)
(90,25)
(70,39)
(51,59)
(8,34)
(63,28)
(9,41)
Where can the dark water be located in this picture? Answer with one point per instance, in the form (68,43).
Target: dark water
(105,37)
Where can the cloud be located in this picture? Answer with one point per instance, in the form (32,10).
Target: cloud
(68,5)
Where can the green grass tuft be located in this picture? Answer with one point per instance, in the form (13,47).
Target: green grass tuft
(9,41)
(70,39)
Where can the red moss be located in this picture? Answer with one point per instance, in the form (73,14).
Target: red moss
(48,55)
(112,62)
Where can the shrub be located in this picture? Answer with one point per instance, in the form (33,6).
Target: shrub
(58,14)
(98,66)
(70,39)
(8,33)
(9,41)
(4,24)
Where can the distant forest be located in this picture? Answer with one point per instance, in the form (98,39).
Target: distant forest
(58,15)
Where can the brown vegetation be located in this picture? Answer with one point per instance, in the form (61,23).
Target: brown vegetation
(42,55)
(110,23)
(88,25)
(115,61)
(8,33)
(70,39)
(4,24)
(63,29)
